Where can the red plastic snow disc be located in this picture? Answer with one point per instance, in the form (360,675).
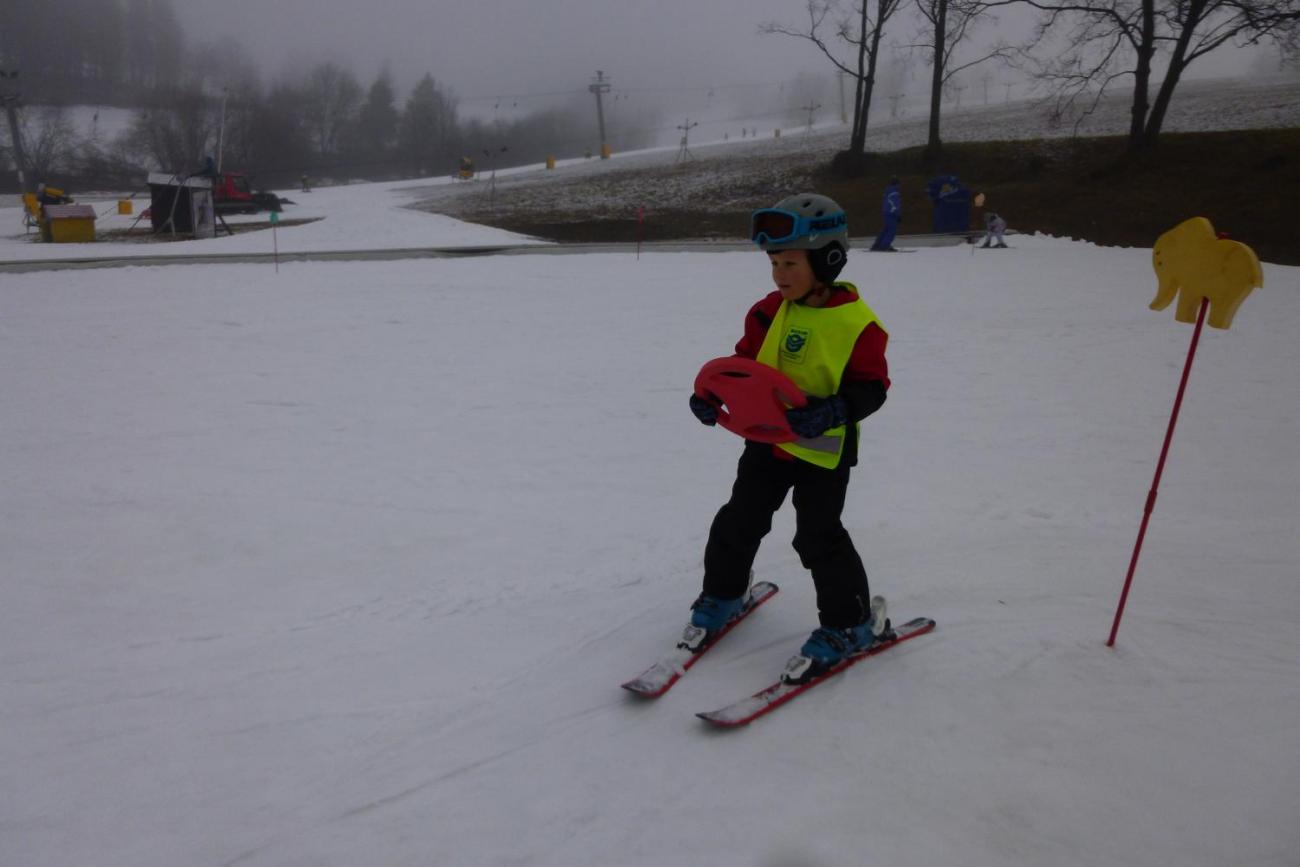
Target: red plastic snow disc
(752,398)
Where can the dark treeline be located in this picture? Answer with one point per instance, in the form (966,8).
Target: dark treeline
(107,52)
(196,98)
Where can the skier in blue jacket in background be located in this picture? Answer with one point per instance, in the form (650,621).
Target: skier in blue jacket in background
(891,208)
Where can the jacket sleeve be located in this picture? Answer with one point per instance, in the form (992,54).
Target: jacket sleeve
(863,398)
(866,378)
(757,322)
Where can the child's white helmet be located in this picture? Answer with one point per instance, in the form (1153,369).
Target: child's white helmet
(807,221)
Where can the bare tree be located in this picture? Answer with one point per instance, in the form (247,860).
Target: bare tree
(332,100)
(179,132)
(860,32)
(1283,61)
(1288,44)
(220,65)
(245,104)
(892,76)
(1113,39)
(950,23)
(50,142)
(168,45)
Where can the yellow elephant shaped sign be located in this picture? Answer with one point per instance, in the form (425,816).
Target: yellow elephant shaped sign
(1192,263)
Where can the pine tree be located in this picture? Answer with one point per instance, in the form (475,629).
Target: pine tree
(378,120)
(428,128)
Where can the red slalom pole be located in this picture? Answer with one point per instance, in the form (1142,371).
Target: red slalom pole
(1160,468)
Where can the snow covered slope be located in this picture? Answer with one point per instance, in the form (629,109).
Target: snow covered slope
(363,216)
(344,566)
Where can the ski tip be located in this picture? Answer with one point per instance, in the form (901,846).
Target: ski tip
(719,722)
(916,623)
(639,689)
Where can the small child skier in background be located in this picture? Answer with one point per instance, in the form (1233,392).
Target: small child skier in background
(822,335)
(994,226)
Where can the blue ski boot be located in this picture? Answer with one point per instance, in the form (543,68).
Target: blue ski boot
(828,646)
(708,615)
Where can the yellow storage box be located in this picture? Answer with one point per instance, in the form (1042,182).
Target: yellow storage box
(66,224)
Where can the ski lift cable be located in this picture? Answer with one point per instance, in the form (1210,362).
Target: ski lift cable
(627,90)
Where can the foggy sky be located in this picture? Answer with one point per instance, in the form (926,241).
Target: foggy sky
(486,49)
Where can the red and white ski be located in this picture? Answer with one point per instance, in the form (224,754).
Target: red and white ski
(767,700)
(659,678)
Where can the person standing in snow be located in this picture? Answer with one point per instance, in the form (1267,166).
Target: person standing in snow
(891,209)
(822,335)
(994,226)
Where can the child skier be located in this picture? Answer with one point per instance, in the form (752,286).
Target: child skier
(994,226)
(823,336)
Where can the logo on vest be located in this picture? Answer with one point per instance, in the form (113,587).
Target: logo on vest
(795,346)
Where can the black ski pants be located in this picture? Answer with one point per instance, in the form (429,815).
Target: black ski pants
(823,545)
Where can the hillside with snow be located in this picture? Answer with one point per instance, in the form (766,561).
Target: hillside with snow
(732,174)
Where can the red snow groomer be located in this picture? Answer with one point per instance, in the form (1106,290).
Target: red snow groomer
(233,194)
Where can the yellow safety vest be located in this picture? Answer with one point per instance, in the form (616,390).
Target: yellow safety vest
(812,346)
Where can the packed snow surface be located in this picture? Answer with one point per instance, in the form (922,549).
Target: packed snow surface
(374,216)
(344,564)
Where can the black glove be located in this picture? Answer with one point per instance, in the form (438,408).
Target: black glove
(818,416)
(706,412)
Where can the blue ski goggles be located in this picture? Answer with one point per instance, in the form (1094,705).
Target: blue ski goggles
(775,226)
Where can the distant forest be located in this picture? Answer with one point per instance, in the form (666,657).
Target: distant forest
(322,122)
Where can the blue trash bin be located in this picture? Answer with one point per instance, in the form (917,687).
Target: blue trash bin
(951,204)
